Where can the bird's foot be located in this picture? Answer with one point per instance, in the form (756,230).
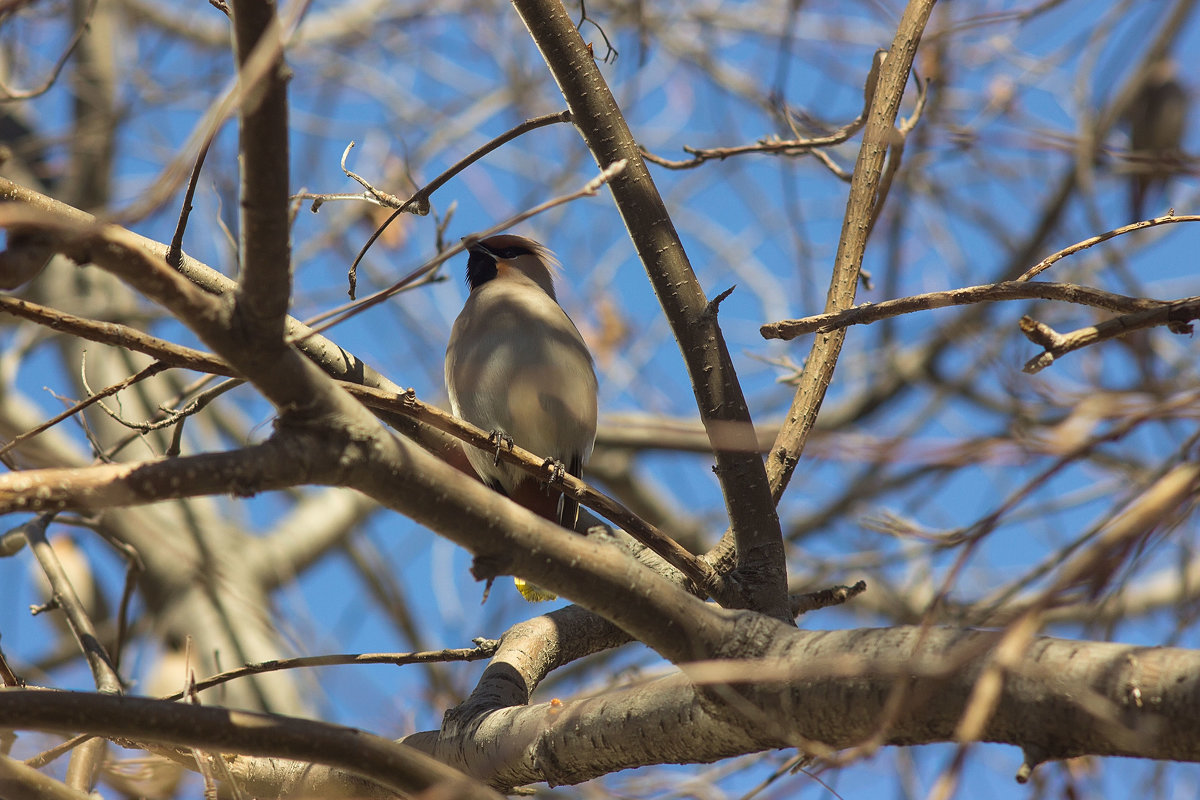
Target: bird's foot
(500,439)
(556,469)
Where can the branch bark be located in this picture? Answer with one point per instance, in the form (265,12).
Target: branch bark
(331,357)
(693,319)
(860,210)
(402,769)
(831,690)
(264,251)
(867,313)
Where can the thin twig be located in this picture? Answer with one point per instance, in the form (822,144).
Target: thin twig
(175,252)
(419,203)
(57,751)
(833,596)
(1176,316)
(1049,261)
(149,371)
(583,17)
(344,312)
(895,154)
(867,313)
(484,648)
(26,94)
(776,146)
(7,676)
(134,566)
(378,196)
(101,664)
(177,416)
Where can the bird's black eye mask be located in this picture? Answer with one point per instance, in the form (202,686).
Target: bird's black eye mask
(481,265)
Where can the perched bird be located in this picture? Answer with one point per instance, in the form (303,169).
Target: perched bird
(516,366)
(1157,117)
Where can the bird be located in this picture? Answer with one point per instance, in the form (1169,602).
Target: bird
(1157,118)
(517,367)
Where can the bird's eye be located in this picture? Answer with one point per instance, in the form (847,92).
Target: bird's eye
(512,252)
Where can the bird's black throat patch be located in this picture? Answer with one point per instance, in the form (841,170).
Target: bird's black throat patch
(481,268)
(481,265)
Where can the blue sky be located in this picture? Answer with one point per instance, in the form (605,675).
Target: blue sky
(977,181)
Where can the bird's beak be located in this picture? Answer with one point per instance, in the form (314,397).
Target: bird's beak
(476,247)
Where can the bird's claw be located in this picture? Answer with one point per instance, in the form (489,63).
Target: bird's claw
(556,468)
(500,439)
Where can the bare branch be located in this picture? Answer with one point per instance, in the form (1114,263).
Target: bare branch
(775,146)
(867,313)
(343,312)
(860,209)
(485,648)
(103,670)
(264,252)
(419,202)
(402,769)
(1176,316)
(22,782)
(696,569)
(715,384)
(96,397)
(8,93)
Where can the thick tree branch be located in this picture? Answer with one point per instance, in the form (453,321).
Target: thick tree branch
(696,570)
(694,322)
(264,251)
(400,768)
(832,690)
(407,404)
(505,538)
(334,360)
(21,782)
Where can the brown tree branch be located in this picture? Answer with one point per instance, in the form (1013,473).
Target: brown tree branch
(418,203)
(264,252)
(1051,260)
(92,398)
(694,323)
(867,313)
(395,766)
(505,537)
(773,145)
(831,690)
(291,382)
(21,782)
(1176,316)
(696,570)
(116,334)
(334,360)
(81,27)
(485,648)
(334,316)
(104,672)
(405,403)
(860,209)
